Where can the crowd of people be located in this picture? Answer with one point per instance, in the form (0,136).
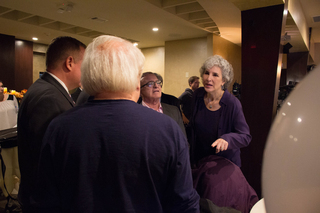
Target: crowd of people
(97,150)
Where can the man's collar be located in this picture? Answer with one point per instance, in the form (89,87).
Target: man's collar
(61,82)
(146,105)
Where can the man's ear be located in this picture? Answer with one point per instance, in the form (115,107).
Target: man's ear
(69,63)
(136,93)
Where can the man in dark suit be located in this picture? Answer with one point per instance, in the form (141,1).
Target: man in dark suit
(47,98)
(151,93)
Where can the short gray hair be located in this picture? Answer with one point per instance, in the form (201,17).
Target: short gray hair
(111,64)
(224,65)
(158,76)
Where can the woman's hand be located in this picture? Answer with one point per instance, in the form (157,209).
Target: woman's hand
(220,144)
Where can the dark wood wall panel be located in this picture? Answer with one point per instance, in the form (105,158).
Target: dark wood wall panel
(297,66)
(283,77)
(261,37)
(23,64)
(7,60)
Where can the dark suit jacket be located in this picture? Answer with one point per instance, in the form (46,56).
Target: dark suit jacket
(175,114)
(167,99)
(45,100)
(170,99)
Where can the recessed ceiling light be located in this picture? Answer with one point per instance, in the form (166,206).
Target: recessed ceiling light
(35,39)
(155,29)
(135,44)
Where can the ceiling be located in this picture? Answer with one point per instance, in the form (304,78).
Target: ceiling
(134,19)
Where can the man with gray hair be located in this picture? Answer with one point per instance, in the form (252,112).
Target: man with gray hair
(151,93)
(112,154)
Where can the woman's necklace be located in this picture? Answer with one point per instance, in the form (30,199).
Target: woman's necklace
(212,102)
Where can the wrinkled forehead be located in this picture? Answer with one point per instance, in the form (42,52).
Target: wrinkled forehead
(148,77)
(215,69)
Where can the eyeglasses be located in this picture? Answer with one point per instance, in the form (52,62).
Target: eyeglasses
(151,83)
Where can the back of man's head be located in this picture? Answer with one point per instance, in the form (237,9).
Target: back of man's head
(111,64)
(60,49)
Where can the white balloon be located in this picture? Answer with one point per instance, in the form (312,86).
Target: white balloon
(291,161)
(259,207)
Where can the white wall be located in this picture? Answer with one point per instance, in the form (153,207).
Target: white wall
(183,59)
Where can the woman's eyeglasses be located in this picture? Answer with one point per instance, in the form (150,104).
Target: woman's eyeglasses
(151,83)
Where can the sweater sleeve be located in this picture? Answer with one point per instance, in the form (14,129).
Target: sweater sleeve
(180,194)
(239,136)
(47,193)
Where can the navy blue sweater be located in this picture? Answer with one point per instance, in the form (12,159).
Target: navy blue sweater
(115,156)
